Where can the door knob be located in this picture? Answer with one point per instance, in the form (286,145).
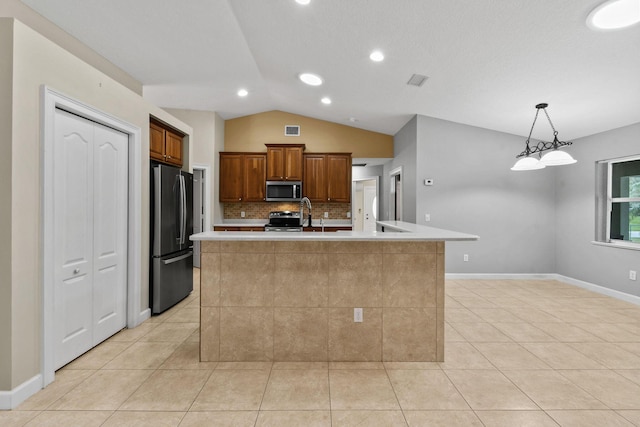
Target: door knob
(76,271)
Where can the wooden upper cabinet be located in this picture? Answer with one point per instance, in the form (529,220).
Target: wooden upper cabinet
(231,177)
(165,144)
(156,142)
(255,176)
(327,177)
(173,148)
(314,184)
(284,162)
(242,177)
(339,178)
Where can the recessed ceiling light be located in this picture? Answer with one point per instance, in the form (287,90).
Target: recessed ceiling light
(376,56)
(243,92)
(303,2)
(614,14)
(311,79)
(326,100)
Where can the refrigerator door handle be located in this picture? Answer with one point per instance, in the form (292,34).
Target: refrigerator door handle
(184,210)
(178,258)
(180,210)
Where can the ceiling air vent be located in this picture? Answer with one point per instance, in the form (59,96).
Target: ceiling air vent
(292,130)
(417,80)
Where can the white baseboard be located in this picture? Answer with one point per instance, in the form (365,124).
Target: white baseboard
(144,315)
(498,276)
(633,299)
(11,399)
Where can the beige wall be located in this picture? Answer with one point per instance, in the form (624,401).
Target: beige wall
(250,133)
(37,61)
(6,75)
(17,9)
(205,126)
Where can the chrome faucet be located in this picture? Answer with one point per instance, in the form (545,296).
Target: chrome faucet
(303,201)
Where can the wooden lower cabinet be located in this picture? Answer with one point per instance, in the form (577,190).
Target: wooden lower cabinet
(238,228)
(326,229)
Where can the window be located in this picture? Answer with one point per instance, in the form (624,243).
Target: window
(619,210)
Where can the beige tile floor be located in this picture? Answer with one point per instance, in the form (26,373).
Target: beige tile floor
(518,353)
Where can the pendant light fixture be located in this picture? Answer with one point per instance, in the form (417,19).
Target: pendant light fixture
(553,157)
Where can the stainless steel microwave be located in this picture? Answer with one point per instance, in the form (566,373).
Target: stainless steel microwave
(284,191)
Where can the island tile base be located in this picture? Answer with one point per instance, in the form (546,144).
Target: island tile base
(295,300)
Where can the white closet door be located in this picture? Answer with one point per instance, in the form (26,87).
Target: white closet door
(109,232)
(90,212)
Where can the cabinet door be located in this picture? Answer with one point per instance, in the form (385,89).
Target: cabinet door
(293,164)
(255,172)
(314,184)
(156,142)
(173,148)
(339,178)
(275,163)
(231,177)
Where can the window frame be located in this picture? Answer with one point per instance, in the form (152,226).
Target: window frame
(606,208)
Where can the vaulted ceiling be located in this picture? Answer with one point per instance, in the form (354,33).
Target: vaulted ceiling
(488,62)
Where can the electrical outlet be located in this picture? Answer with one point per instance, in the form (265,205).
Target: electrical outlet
(242,214)
(632,275)
(427,217)
(357,315)
(465,257)
(326,214)
(348,214)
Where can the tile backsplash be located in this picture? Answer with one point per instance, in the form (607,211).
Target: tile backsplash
(260,210)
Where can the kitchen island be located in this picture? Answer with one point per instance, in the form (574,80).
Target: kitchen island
(292,296)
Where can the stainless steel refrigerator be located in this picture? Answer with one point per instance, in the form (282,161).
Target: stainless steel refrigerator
(171,225)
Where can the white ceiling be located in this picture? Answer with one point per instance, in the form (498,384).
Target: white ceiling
(489,62)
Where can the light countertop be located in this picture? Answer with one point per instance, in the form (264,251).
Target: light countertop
(402,231)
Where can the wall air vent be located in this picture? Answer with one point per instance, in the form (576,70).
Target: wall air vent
(292,130)
(417,80)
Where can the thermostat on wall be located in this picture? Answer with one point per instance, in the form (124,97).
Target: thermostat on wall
(292,130)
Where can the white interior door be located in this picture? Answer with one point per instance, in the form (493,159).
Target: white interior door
(109,231)
(90,231)
(370,206)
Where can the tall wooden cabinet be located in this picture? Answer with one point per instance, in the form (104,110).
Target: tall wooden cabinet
(165,144)
(314,183)
(339,178)
(327,177)
(284,162)
(242,177)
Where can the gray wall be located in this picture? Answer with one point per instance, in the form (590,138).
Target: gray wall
(577,257)
(475,192)
(404,154)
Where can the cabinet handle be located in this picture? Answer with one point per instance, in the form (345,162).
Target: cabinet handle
(240,198)
(168,157)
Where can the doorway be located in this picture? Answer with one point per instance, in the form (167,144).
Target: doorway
(395,194)
(201,205)
(365,204)
(130,217)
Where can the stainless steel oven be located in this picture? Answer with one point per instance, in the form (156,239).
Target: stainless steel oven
(284,221)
